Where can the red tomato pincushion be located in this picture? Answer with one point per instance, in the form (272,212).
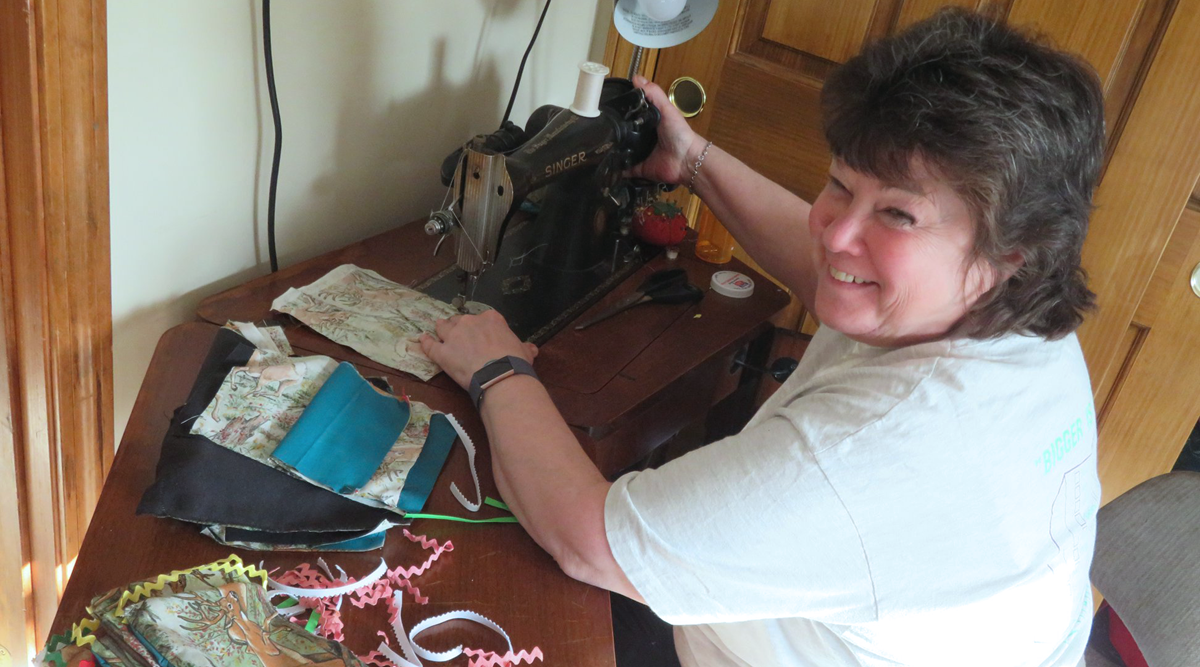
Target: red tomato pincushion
(661,223)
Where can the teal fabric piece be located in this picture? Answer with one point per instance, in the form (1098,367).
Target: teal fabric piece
(419,483)
(345,432)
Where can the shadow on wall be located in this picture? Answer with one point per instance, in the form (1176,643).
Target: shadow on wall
(136,334)
(384,168)
(383,173)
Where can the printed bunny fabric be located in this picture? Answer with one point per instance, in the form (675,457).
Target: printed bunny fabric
(376,317)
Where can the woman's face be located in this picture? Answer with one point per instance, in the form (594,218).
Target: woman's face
(892,258)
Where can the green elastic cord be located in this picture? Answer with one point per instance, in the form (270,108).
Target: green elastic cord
(443,517)
(486,501)
(313,620)
(496,503)
(290,602)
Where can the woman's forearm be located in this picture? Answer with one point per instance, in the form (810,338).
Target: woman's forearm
(548,481)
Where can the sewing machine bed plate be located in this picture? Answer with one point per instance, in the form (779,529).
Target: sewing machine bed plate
(535,299)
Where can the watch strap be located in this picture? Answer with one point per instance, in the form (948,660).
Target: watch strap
(495,371)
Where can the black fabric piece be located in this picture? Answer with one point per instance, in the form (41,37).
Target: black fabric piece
(640,637)
(382,383)
(202,482)
(293,538)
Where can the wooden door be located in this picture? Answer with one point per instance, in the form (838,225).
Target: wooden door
(762,63)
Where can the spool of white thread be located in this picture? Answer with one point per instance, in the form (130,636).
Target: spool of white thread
(587,91)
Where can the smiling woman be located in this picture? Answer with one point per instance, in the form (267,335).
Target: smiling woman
(1012,129)
(893,263)
(893,503)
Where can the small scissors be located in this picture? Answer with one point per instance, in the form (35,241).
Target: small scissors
(669,286)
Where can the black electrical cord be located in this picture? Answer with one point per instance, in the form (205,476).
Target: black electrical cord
(266,19)
(521,70)
(266,14)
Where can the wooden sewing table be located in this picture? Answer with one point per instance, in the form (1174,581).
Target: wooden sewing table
(496,570)
(625,386)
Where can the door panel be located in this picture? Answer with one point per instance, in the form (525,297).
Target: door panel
(845,26)
(773,123)
(1148,181)
(1173,259)
(1130,345)
(1098,31)
(1156,404)
(916,10)
(802,47)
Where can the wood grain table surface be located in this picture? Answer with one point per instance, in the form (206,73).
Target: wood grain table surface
(496,570)
(672,360)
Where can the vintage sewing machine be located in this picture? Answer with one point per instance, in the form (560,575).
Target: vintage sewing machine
(541,215)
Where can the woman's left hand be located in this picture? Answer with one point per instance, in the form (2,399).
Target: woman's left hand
(464,343)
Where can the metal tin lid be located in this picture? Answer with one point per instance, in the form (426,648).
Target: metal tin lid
(732,283)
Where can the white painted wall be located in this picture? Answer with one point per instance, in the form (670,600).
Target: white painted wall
(373,93)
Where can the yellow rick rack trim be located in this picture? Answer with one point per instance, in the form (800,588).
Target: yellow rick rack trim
(232,564)
(88,624)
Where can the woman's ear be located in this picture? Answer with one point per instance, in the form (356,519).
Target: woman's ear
(983,275)
(1012,263)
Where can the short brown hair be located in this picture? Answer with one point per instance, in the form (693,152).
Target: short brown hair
(1014,126)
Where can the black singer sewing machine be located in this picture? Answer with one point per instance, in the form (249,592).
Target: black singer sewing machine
(541,215)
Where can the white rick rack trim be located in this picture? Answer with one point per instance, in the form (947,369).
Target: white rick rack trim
(294,591)
(411,653)
(414,651)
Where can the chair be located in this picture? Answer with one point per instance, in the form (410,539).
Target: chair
(1147,566)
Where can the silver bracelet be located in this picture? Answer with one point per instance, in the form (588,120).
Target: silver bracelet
(696,167)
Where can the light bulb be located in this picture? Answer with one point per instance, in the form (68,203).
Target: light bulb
(662,10)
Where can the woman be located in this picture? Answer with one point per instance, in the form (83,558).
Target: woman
(922,490)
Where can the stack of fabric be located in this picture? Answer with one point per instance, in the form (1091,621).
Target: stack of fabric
(274,451)
(233,615)
(217,614)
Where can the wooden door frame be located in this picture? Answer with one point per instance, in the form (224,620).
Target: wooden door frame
(55,302)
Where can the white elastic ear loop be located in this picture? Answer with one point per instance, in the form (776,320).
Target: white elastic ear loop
(297,592)
(459,615)
(410,658)
(470,447)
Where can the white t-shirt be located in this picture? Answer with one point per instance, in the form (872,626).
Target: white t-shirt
(927,505)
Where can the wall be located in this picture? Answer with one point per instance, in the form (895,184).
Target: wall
(373,94)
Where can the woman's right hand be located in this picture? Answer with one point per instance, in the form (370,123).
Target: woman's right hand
(678,144)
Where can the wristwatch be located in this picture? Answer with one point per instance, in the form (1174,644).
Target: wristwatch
(494,371)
